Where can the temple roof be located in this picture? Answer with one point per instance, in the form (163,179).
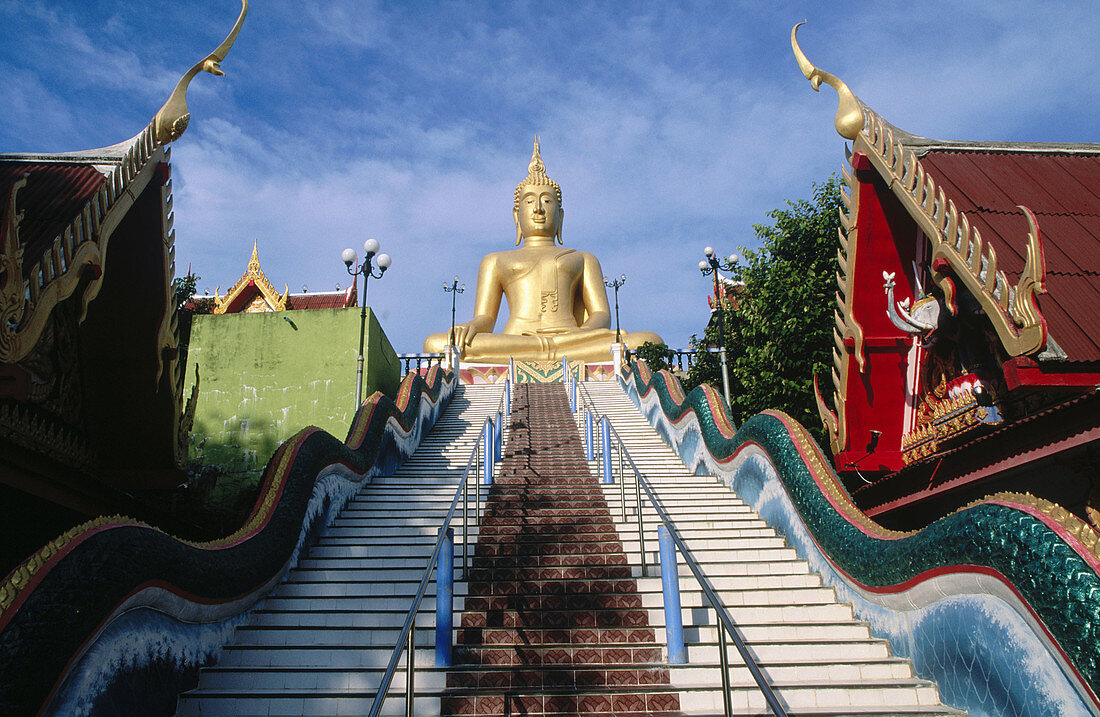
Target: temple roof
(323,299)
(254,292)
(54,195)
(1062,188)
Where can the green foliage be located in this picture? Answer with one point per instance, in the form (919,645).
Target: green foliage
(657,356)
(183,288)
(781,334)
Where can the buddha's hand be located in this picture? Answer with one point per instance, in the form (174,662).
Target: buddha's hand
(464,334)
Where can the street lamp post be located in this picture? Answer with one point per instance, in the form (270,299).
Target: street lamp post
(371,247)
(453,289)
(616,284)
(713,265)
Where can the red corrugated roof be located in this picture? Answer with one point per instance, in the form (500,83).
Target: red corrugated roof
(1063,190)
(54,194)
(322,300)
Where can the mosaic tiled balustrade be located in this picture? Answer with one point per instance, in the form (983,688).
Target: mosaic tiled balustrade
(553,623)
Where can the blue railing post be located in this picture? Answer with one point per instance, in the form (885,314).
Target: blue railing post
(564,369)
(498,437)
(444,599)
(487,451)
(670,586)
(605,448)
(572,396)
(508,397)
(588,435)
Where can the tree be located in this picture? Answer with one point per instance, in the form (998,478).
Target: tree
(184,288)
(656,356)
(780,336)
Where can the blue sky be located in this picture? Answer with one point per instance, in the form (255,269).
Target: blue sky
(669,126)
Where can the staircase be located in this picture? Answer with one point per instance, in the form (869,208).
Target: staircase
(556,618)
(318,645)
(554,623)
(819,659)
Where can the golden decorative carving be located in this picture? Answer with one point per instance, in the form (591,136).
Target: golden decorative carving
(849,119)
(1069,522)
(29,296)
(168,329)
(941,417)
(253,276)
(171,120)
(19,578)
(556,295)
(12,303)
(1014,315)
(845,327)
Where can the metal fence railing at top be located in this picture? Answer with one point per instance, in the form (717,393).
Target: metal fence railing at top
(418,363)
(481,463)
(609,444)
(678,359)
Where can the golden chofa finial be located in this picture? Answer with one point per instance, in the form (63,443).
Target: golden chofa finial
(849,113)
(172,118)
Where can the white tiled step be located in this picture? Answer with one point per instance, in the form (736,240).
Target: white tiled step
(360,534)
(890,695)
(819,658)
(282,703)
(317,678)
(320,642)
(366,589)
(345,657)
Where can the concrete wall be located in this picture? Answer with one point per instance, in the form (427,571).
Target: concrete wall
(265,376)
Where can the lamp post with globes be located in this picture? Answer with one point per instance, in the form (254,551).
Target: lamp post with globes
(453,289)
(712,265)
(383,261)
(615,284)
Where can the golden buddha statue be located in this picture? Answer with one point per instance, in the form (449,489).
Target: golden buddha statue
(556,295)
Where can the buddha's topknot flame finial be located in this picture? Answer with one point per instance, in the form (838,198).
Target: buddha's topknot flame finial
(536,175)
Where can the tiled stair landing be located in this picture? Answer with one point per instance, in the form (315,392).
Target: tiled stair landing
(554,623)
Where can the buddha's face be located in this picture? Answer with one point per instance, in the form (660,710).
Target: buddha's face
(538,213)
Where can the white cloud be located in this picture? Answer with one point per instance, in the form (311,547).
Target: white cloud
(668,127)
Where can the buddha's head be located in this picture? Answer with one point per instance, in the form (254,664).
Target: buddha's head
(537,203)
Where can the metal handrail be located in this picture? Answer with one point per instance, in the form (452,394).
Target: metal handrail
(405,639)
(505,392)
(586,399)
(727,623)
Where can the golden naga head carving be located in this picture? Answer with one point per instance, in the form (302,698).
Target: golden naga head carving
(546,217)
(171,120)
(849,119)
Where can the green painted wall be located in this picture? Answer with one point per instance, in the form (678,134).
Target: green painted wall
(265,376)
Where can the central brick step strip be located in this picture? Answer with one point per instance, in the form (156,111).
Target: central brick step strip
(554,623)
